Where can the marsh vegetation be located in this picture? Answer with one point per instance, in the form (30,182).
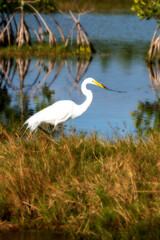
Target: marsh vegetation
(83,185)
(16,31)
(80,186)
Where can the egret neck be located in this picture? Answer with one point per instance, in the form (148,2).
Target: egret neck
(89,97)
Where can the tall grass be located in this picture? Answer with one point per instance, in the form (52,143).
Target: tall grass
(82,186)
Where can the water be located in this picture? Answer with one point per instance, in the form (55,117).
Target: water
(122,42)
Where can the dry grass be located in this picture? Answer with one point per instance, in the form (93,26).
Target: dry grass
(82,186)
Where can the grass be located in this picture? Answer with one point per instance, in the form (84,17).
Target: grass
(84,187)
(42,50)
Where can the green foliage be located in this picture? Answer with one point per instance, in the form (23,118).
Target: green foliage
(3,6)
(146,117)
(38,50)
(47,4)
(41,5)
(147,9)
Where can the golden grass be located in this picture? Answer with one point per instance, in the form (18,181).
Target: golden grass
(83,186)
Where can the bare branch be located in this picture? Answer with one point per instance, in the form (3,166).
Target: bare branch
(59,28)
(2,33)
(52,38)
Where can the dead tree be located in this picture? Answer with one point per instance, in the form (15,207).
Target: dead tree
(83,42)
(22,31)
(40,34)
(154,49)
(23,35)
(6,29)
(154,74)
(59,28)
(52,38)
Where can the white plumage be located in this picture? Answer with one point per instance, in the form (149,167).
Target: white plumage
(63,110)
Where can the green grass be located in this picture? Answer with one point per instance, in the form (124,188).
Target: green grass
(42,50)
(81,186)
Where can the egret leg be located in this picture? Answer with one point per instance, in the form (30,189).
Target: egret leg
(44,131)
(48,133)
(53,130)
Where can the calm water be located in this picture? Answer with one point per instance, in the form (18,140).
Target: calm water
(122,42)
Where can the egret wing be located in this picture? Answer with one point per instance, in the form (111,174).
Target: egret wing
(58,112)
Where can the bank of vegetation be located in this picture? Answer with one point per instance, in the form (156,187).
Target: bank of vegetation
(40,51)
(80,186)
(16,32)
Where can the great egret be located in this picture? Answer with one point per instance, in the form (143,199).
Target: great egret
(63,110)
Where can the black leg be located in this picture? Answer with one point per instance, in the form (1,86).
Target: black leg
(44,131)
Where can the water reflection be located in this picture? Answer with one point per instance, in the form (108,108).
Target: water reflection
(23,68)
(154,74)
(121,41)
(28,85)
(147,114)
(24,78)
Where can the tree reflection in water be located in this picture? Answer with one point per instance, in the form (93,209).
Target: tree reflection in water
(147,115)
(27,78)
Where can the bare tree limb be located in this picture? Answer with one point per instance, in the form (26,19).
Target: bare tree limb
(59,28)
(52,38)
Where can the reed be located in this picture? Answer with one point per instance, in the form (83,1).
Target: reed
(82,186)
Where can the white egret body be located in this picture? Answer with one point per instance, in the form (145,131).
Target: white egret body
(63,110)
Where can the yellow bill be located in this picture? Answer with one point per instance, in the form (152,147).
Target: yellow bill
(99,84)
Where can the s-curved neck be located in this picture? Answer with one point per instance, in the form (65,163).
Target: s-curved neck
(89,96)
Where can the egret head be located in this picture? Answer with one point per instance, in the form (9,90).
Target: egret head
(92,81)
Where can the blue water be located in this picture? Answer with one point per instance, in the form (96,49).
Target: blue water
(104,27)
(122,42)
